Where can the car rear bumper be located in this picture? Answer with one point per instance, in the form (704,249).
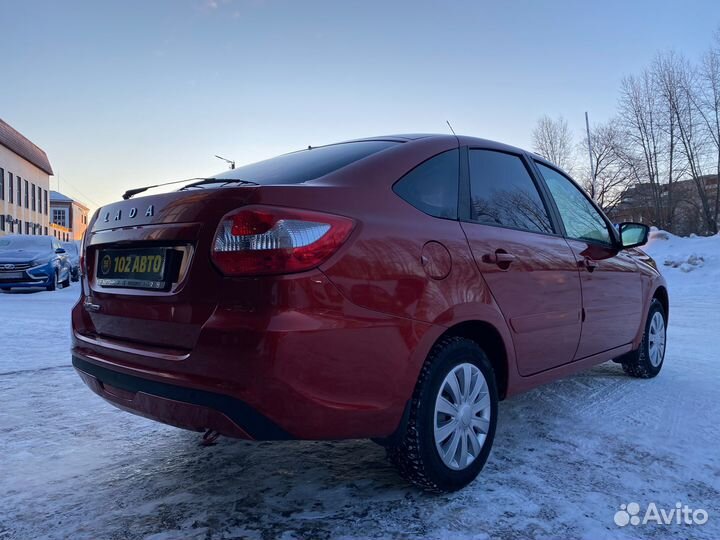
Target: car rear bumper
(179,406)
(301,373)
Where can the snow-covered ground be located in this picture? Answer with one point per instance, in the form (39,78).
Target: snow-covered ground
(566,455)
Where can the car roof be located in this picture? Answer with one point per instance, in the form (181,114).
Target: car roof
(402,137)
(464,140)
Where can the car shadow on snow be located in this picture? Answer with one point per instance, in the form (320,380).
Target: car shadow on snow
(27,290)
(326,488)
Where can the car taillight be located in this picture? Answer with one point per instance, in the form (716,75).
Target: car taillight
(272,240)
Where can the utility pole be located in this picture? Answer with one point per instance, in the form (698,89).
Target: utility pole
(590,155)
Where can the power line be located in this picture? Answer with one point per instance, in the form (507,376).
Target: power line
(88,199)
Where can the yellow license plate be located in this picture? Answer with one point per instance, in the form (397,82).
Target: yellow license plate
(143,268)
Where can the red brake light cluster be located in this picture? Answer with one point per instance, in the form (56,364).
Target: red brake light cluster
(271,240)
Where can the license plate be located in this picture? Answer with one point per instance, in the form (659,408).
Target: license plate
(141,268)
(12,275)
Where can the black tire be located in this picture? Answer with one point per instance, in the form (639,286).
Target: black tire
(75,276)
(415,454)
(66,283)
(637,363)
(54,283)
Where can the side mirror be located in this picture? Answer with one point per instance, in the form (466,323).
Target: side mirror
(60,250)
(633,234)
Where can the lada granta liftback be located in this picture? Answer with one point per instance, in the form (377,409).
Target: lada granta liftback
(393,288)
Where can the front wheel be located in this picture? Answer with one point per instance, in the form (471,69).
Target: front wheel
(452,420)
(54,283)
(647,361)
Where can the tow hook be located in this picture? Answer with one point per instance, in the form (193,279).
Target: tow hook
(209,438)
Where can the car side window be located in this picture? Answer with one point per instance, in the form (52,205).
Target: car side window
(581,219)
(432,186)
(503,193)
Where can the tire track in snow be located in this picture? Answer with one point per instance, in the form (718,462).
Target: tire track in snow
(38,370)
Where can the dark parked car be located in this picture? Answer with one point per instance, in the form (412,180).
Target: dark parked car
(33,261)
(73,252)
(393,288)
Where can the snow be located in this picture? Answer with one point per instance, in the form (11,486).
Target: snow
(566,455)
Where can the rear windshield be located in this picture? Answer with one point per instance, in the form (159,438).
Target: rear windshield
(25,242)
(305,165)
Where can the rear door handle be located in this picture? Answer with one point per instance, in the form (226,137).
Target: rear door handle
(501,257)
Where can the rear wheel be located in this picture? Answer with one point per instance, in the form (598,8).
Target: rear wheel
(647,361)
(452,418)
(66,282)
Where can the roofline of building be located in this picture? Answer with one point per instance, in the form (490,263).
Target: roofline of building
(20,145)
(66,199)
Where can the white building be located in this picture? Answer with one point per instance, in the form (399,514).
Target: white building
(68,217)
(24,184)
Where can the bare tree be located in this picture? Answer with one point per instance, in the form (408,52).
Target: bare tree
(676,81)
(653,157)
(650,139)
(707,103)
(553,141)
(615,168)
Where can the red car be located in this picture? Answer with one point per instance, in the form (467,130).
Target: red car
(393,288)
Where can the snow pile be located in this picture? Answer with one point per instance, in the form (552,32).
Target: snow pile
(684,254)
(686,264)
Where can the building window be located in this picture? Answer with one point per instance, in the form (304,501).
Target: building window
(12,226)
(46,231)
(2,222)
(59,217)
(34,200)
(2,188)
(19,192)
(46,202)
(10,187)
(27,194)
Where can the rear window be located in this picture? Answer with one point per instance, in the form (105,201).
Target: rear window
(432,186)
(305,165)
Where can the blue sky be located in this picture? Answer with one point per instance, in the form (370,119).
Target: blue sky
(122,94)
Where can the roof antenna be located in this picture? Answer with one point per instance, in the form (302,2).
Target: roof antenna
(451,129)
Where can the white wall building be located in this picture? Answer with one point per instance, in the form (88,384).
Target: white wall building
(68,217)
(24,184)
